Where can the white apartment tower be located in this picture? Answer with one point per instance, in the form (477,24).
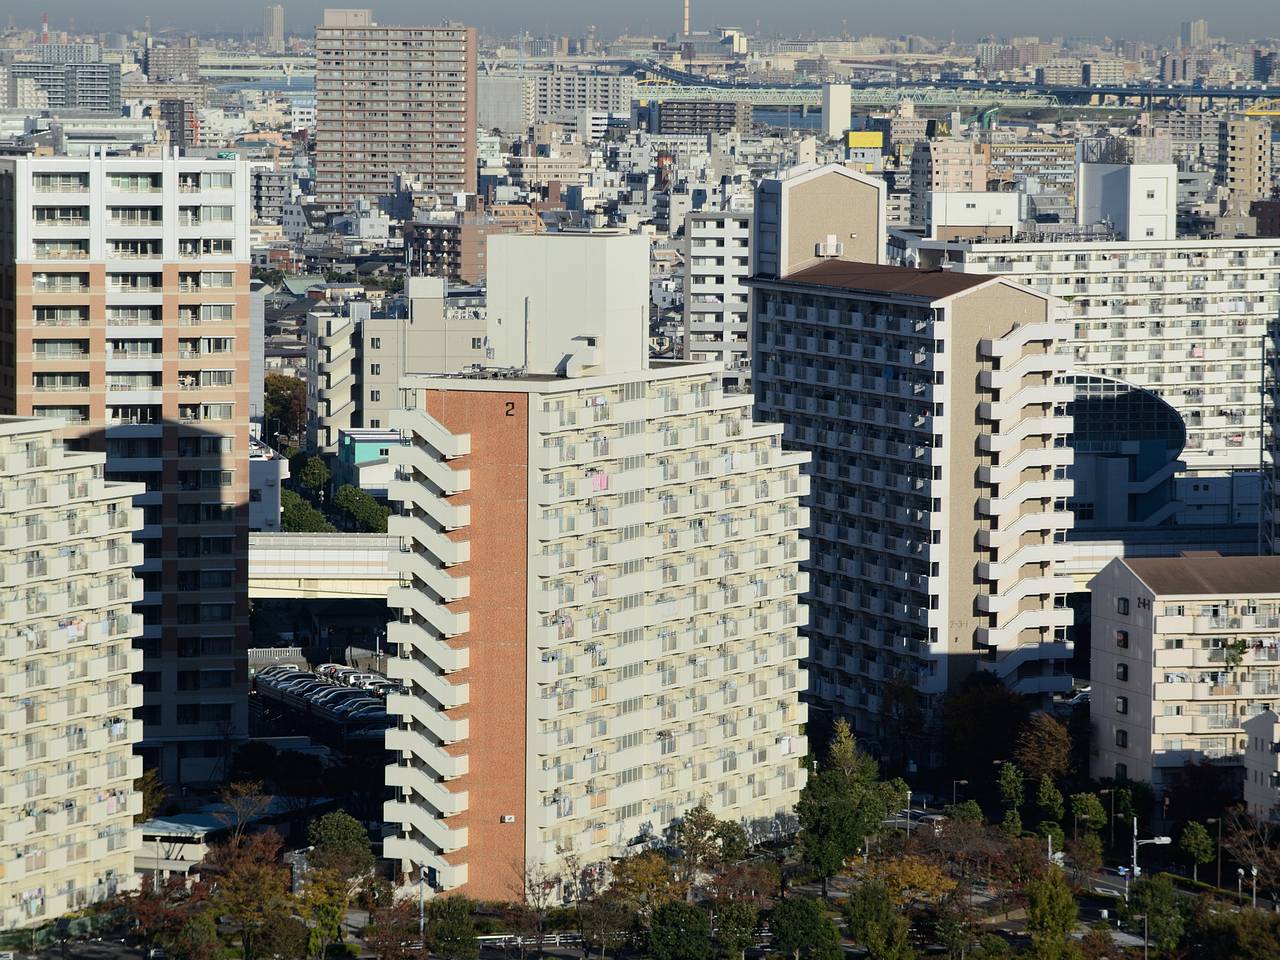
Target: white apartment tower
(1188,320)
(928,400)
(717,261)
(599,559)
(67,695)
(125,284)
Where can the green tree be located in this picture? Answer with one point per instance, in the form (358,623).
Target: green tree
(365,512)
(1156,898)
(733,840)
(1011,825)
(1051,915)
(340,843)
(1196,844)
(1009,783)
(1085,854)
(315,475)
(250,888)
(735,927)
(679,931)
(1244,935)
(298,516)
(1049,800)
(1052,831)
(1044,748)
(1087,811)
(966,811)
(284,401)
(801,925)
(451,933)
(875,924)
(153,793)
(835,818)
(197,939)
(981,720)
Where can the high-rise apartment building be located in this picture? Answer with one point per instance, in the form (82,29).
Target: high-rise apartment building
(929,402)
(717,261)
(68,86)
(1185,650)
(565,93)
(1185,319)
(393,100)
(176,61)
(126,288)
(66,676)
(1244,160)
(600,565)
(945,166)
(273,27)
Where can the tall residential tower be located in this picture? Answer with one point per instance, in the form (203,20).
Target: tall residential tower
(126,301)
(599,559)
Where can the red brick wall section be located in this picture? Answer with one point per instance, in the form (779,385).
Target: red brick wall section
(498,568)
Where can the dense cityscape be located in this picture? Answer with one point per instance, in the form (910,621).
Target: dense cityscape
(745,491)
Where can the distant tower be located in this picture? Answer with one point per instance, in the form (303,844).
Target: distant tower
(44,24)
(686,18)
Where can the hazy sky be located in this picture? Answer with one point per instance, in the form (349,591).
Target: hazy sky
(968,19)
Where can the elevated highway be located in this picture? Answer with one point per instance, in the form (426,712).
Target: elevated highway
(321,566)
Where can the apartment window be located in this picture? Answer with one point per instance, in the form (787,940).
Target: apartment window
(1122,672)
(1122,771)
(375,395)
(1122,738)
(1122,639)
(1122,606)
(1122,705)
(375,343)
(375,369)
(477,343)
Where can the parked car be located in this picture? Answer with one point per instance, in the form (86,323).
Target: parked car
(329,669)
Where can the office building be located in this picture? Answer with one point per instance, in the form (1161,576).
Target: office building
(356,357)
(1262,766)
(676,117)
(273,27)
(564,93)
(1184,319)
(601,578)
(66,677)
(836,108)
(392,100)
(717,261)
(929,402)
(127,281)
(1185,650)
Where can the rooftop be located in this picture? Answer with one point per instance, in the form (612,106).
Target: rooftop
(882,279)
(1203,573)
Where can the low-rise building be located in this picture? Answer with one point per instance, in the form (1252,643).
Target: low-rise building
(1262,766)
(1184,651)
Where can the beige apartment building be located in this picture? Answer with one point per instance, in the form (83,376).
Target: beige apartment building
(67,695)
(1244,160)
(392,100)
(599,558)
(1185,651)
(945,166)
(126,288)
(356,356)
(930,404)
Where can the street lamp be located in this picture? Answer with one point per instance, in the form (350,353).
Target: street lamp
(954,784)
(908,811)
(1253,871)
(1157,841)
(1218,821)
(1240,884)
(1111,824)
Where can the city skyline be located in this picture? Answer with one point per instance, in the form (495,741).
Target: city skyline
(1146,19)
